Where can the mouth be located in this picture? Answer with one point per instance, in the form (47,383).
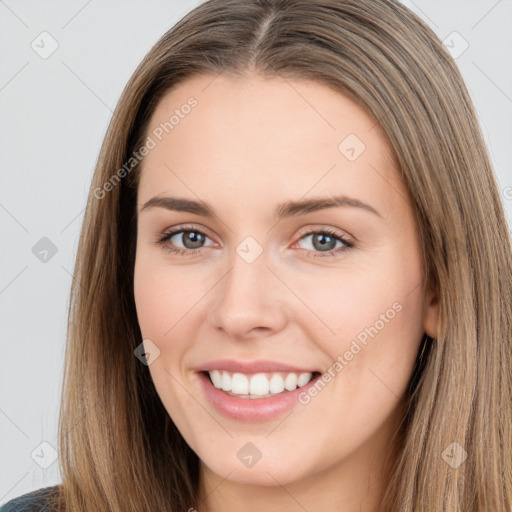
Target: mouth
(255,390)
(255,397)
(258,385)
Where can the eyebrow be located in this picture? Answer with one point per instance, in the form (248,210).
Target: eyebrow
(284,210)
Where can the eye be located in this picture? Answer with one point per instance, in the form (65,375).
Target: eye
(324,241)
(192,240)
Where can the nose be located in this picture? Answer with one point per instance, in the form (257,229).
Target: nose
(249,302)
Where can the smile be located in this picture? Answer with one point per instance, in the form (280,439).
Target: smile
(258,385)
(264,405)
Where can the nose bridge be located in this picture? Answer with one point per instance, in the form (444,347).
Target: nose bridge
(247,298)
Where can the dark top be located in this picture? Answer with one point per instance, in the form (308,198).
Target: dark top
(34,501)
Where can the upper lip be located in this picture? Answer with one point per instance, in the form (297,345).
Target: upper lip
(258,366)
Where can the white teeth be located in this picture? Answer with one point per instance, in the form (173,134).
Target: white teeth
(239,384)
(226,381)
(303,379)
(291,381)
(258,385)
(216,378)
(276,384)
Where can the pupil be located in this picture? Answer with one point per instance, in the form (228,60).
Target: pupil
(193,238)
(323,244)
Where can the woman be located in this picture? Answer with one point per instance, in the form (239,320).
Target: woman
(219,357)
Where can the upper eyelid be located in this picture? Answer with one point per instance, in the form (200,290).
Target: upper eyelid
(180,229)
(335,231)
(304,231)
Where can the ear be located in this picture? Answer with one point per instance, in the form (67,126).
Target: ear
(431,313)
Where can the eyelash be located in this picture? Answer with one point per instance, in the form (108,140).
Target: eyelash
(165,237)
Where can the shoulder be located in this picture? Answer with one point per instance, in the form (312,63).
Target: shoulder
(34,501)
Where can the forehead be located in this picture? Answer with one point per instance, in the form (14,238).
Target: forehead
(249,135)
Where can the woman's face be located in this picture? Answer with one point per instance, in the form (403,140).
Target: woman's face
(299,254)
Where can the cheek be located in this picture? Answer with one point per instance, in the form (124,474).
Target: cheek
(160,311)
(163,295)
(378,290)
(168,302)
(153,302)
(368,318)
(375,312)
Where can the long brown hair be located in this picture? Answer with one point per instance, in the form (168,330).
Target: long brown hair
(119,449)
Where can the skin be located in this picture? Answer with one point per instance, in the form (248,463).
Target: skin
(250,144)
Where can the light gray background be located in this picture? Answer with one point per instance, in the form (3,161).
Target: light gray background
(54,113)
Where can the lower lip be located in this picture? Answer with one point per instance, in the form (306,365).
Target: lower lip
(252,409)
